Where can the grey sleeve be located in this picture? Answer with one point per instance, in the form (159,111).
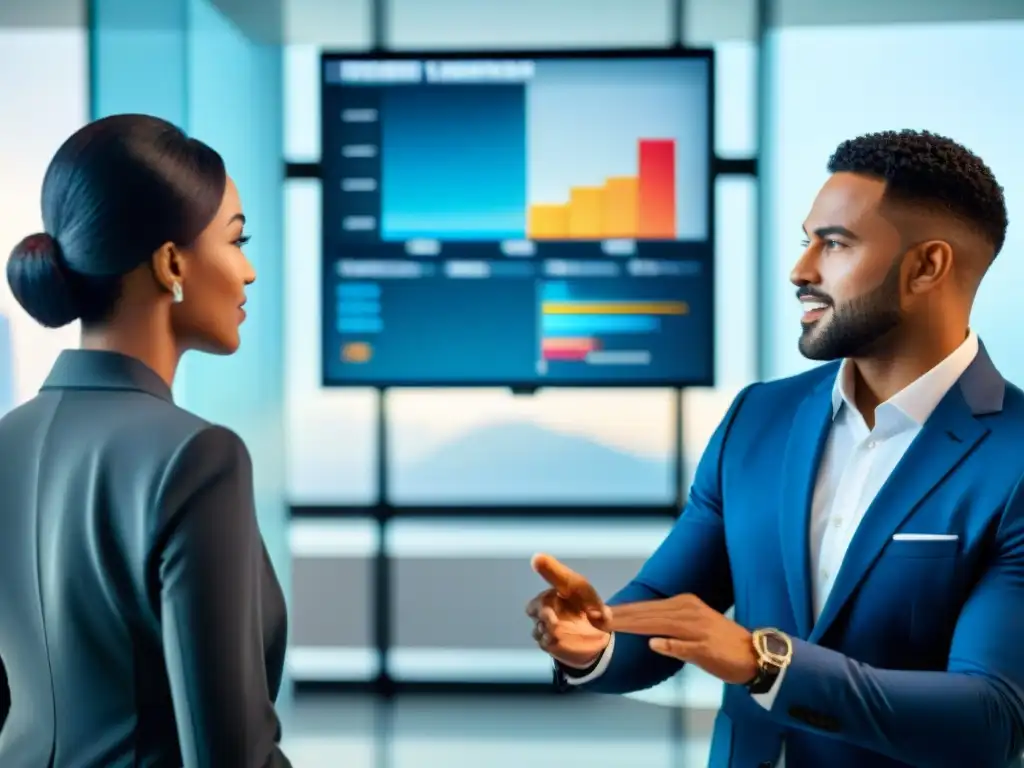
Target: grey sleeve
(209,569)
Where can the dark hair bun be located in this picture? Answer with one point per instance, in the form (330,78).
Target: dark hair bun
(41,282)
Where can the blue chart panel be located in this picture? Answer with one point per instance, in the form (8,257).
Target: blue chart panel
(453,162)
(411,327)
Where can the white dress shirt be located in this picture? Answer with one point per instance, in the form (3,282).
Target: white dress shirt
(854,466)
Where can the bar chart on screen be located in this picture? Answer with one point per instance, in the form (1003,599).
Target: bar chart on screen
(639,207)
(597,323)
(576,152)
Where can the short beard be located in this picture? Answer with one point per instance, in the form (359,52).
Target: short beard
(855,328)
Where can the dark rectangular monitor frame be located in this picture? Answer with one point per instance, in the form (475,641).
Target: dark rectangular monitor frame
(532,386)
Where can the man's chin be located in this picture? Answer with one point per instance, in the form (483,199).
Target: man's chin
(812,348)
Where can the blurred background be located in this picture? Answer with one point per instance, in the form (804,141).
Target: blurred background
(400,519)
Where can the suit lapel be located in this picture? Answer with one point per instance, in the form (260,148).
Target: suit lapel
(799,476)
(946,438)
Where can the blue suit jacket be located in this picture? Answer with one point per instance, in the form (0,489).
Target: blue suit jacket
(918,656)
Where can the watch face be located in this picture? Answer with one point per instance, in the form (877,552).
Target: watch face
(775,645)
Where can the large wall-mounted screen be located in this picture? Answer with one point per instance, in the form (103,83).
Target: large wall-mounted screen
(531,220)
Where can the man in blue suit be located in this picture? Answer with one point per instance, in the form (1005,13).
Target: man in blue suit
(865,520)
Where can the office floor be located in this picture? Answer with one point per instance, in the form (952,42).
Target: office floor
(424,731)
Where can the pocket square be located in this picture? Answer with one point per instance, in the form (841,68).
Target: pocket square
(925,537)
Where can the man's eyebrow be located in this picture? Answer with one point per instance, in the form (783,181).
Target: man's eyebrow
(823,233)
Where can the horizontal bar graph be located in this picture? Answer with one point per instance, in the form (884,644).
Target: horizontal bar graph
(614,308)
(641,207)
(581,323)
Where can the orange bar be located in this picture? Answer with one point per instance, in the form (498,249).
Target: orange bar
(615,308)
(548,222)
(356,352)
(620,207)
(585,206)
(656,193)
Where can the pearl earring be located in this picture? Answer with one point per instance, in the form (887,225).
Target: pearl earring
(177,294)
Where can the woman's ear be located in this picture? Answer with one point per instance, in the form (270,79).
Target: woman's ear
(168,266)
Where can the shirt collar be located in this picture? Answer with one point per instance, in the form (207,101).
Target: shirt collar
(919,398)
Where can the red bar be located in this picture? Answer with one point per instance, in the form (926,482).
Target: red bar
(656,194)
(568,348)
(567,353)
(569,342)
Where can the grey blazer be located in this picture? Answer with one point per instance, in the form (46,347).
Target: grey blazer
(141,622)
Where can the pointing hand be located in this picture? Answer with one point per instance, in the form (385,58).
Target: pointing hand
(571,622)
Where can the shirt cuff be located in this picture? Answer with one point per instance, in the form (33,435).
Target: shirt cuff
(767,698)
(597,671)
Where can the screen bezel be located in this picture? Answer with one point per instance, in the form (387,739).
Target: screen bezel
(533,385)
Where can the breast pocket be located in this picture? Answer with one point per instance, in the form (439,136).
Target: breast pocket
(923,547)
(925,572)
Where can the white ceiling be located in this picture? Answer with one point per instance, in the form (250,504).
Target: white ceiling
(345,24)
(329,23)
(342,24)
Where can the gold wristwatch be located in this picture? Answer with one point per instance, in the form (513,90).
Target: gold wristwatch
(774,651)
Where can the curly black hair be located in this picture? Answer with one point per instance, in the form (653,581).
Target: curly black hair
(923,168)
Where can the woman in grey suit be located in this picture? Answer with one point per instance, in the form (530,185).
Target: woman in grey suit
(141,623)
